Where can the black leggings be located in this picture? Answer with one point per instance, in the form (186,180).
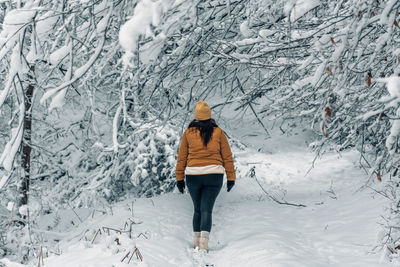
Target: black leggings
(204,190)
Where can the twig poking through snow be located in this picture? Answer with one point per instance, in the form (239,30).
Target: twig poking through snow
(253,175)
(141,234)
(41,256)
(134,252)
(127,254)
(94,238)
(108,229)
(75,213)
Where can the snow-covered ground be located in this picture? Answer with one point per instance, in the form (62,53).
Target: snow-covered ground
(338,227)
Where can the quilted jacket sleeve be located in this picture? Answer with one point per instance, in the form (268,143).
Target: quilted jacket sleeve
(182,158)
(227,158)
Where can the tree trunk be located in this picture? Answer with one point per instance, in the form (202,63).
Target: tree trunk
(26,143)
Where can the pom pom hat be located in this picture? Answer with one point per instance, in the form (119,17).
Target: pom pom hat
(202,111)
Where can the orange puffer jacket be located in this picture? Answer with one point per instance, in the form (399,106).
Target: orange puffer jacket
(192,153)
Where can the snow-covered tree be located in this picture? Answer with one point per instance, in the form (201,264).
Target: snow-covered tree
(100,89)
(323,63)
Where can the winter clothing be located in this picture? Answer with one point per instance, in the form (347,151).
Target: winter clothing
(229,185)
(204,167)
(202,111)
(204,170)
(180,185)
(203,190)
(196,239)
(204,236)
(192,153)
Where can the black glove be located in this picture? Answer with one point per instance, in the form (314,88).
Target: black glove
(229,185)
(181,185)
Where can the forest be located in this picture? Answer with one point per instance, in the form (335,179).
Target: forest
(95,95)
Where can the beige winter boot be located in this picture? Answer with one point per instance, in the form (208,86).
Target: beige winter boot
(204,236)
(196,240)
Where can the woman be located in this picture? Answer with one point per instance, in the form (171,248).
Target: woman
(204,155)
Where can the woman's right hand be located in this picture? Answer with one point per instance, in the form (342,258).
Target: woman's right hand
(181,185)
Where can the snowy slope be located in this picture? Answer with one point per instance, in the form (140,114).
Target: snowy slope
(339,226)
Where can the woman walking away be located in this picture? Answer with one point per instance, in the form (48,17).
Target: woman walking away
(204,154)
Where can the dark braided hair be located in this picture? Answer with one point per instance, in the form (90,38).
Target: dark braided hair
(205,127)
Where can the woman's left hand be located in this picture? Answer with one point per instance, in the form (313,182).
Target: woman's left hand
(229,185)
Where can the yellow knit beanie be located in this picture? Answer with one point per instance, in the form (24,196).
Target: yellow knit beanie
(202,111)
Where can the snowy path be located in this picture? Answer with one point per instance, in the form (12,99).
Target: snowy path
(339,226)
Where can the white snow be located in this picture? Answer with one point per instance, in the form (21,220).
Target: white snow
(324,39)
(58,55)
(23,210)
(245,30)
(339,225)
(12,147)
(48,94)
(339,49)
(9,263)
(301,7)
(307,62)
(248,41)
(392,84)
(300,34)
(266,33)
(102,25)
(14,21)
(146,13)
(115,129)
(10,205)
(369,114)
(287,8)
(45,23)
(15,66)
(150,51)
(4,180)
(380,43)
(241,57)
(58,100)
(335,229)
(318,74)
(385,13)
(77,74)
